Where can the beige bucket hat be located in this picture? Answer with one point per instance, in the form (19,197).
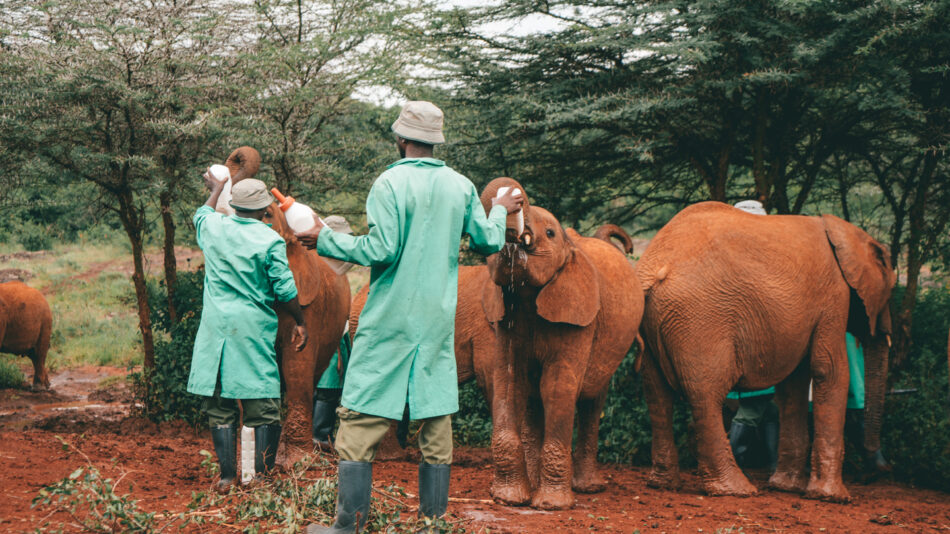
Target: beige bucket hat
(751,206)
(420,121)
(250,194)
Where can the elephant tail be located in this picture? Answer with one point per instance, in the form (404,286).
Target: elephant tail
(609,232)
(641,346)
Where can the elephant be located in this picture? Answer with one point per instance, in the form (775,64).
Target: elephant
(26,323)
(736,300)
(565,310)
(325,299)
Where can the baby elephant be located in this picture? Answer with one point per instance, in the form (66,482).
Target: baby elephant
(25,326)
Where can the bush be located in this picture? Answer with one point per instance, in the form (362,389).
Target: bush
(916,432)
(34,237)
(167,397)
(10,374)
(472,424)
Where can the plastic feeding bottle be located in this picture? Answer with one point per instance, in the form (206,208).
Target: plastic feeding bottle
(519,217)
(299,216)
(247,454)
(220,172)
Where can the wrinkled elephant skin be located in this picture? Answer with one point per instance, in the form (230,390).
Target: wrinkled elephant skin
(735,300)
(25,327)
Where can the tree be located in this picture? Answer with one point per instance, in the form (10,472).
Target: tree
(114,94)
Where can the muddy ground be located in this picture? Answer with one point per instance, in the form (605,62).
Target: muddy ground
(160,466)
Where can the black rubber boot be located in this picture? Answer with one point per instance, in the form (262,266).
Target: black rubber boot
(770,437)
(741,436)
(433,489)
(224,438)
(352,502)
(266,439)
(324,415)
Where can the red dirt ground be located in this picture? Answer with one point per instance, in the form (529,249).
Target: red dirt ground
(161,467)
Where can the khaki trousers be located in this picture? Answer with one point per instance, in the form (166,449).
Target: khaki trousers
(359,436)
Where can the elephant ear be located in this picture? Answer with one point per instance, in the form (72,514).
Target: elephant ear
(865,264)
(573,296)
(305,264)
(493,302)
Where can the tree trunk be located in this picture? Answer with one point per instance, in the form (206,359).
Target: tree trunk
(132,220)
(171,262)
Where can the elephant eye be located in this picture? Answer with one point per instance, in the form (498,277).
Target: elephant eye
(549,232)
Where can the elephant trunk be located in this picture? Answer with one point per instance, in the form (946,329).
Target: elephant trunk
(875,383)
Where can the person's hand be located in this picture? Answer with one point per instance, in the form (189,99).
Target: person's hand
(211,182)
(299,337)
(512,200)
(309,238)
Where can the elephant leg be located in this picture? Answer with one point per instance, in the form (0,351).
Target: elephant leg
(40,376)
(509,392)
(298,371)
(559,386)
(666,471)
(792,398)
(717,465)
(587,477)
(829,366)
(532,435)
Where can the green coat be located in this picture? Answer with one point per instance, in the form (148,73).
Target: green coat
(245,271)
(404,350)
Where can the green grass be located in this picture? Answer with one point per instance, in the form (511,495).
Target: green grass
(10,374)
(90,292)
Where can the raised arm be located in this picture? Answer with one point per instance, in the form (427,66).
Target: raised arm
(378,247)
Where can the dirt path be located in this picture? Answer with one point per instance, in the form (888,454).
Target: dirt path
(160,465)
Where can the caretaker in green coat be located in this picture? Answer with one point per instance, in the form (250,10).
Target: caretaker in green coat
(246,274)
(403,353)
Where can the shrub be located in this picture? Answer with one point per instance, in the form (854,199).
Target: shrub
(916,431)
(34,237)
(472,424)
(167,397)
(10,374)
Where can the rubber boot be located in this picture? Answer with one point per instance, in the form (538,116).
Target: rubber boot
(740,437)
(266,439)
(324,415)
(352,502)
(433,489)
(770,437)
(224,438)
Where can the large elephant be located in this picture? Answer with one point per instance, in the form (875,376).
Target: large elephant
(25,327)
(325,299)
(735,300)
(565,311)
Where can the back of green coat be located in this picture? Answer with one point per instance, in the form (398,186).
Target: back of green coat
(404,350)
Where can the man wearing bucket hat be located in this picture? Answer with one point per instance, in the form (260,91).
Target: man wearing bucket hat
(246,273)
(403,353)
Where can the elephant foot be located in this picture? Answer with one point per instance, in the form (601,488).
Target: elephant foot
(547,498)
(827,490)
(39,387)
(511,493)
(289,454)
(735,486)
(664,479)
(588,481)
(791,482)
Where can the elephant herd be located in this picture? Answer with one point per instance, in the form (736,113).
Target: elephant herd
(720,300)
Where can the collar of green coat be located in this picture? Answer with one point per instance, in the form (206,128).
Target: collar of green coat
(246,220)
(422,162)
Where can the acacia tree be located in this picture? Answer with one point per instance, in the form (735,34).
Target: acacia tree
(111,93)
(301,70)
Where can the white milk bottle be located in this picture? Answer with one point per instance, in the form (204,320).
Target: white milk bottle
(519,217)
(247,454)
(220,172)
(299,216)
